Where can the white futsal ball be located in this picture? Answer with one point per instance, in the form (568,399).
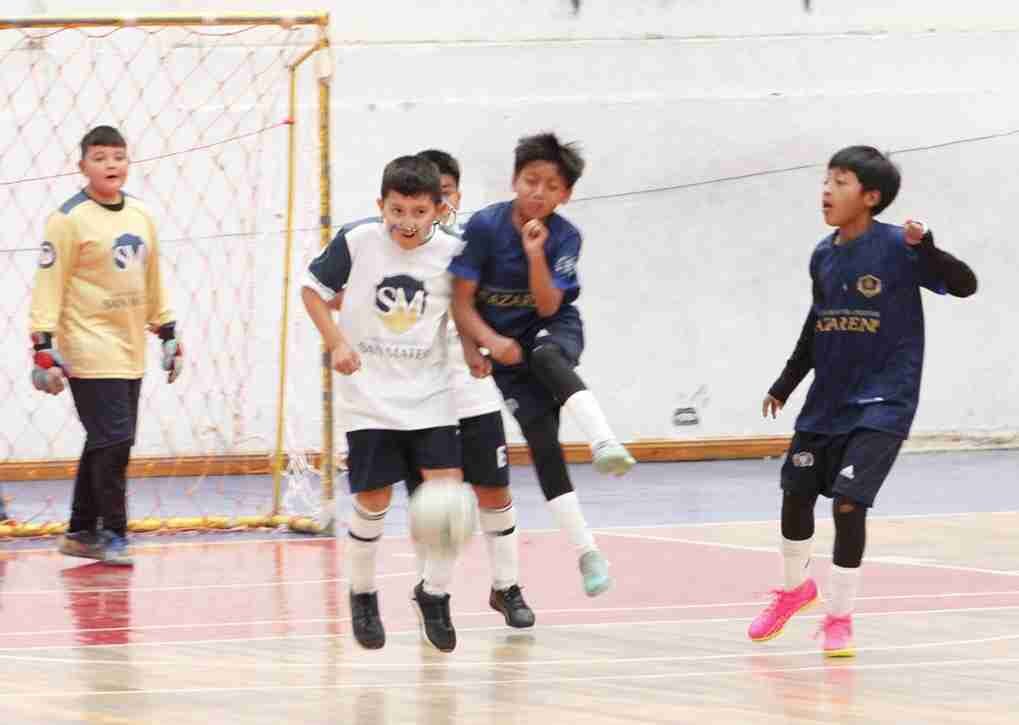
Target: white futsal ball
(443,516)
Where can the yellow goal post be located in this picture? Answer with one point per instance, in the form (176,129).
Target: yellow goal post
(226,117)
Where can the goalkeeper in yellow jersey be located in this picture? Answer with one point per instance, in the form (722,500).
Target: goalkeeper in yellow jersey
(97,290)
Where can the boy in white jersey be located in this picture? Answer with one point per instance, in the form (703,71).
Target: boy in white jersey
(389,344)
(483,439)
(98,288)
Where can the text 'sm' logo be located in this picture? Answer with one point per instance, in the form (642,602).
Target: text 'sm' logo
(127,250)
(400,302)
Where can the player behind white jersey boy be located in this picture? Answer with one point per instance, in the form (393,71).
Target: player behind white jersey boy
(483,439)
(389,344)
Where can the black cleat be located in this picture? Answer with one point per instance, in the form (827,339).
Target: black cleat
(436,625)
(510,602)
(365,620)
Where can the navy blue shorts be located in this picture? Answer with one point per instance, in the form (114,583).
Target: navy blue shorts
(853,464)
(379,458)
(107,409)
(483,446)
(526,397)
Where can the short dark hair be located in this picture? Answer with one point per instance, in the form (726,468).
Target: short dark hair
(874,169)
(411,176)
(546,147)
(447,164)
(102,136)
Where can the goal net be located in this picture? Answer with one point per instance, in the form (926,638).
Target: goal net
(226,120)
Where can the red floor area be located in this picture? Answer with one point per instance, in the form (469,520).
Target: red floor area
(239,590)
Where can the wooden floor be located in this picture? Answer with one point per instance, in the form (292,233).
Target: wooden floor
(258,632)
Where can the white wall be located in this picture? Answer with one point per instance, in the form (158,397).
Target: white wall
(706,287)
(429,20)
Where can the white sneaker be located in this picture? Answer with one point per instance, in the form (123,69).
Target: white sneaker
(612,457)
(595,570)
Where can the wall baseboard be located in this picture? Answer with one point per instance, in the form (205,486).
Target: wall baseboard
(647,451)
(260,463)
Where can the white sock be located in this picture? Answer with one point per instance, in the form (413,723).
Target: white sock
(363,546)
(500,527)
(584,408)
(438,574)
(795,559)
(844,584)
(422,555)
(566,509)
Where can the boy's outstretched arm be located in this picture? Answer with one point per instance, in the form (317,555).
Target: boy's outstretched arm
(796,368)
(473,328)
(343,358)
(959,279)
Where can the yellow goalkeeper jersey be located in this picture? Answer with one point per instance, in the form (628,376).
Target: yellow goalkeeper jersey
(98,286)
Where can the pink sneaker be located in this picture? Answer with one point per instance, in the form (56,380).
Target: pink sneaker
(838,636)
(784,604)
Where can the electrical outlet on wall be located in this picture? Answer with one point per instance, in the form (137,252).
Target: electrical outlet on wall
(689,406)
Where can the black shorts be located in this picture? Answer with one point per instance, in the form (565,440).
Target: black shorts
(853,464)
(107,409)
(485,459)
(379,458)
(526,397)
(483,445)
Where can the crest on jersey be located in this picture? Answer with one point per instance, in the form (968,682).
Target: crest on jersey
(868,285)
(47,255)
(127,250)
(400,302)
(803,459)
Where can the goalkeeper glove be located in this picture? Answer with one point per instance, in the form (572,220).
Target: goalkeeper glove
(47,364)
(173,352)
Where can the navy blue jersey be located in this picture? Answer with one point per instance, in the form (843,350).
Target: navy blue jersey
(494,257)
(869,333)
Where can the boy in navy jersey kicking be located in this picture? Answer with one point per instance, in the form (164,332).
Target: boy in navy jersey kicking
(516,282)
(864,339)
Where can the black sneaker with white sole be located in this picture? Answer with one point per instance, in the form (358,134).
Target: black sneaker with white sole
(510,603)
(433,613)
(365,620)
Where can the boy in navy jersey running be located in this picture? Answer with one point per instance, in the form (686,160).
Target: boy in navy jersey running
(516,282)
(864,339)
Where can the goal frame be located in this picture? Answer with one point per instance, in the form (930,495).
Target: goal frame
(231,464)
